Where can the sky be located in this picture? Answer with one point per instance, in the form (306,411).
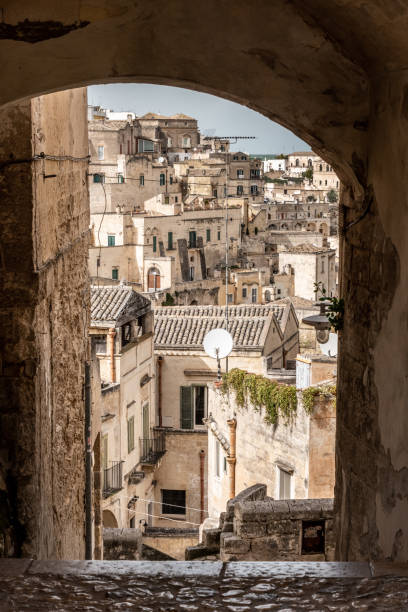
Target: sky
(215,116)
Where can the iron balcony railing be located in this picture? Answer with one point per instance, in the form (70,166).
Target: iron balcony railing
(112,479)
(151,449)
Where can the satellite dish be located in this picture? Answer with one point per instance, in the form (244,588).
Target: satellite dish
(161,159)
(218,343)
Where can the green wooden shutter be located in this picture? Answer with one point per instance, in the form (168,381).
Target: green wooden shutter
(186,407)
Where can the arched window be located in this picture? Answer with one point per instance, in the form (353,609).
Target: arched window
(309,163)
(320,167)
(153,279)
(297,163)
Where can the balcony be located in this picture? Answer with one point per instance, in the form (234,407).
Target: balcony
(152,449)
(112,479)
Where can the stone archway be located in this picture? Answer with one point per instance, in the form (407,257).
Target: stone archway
(109,519)
(48,48)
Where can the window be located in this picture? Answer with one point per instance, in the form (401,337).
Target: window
(254,189)
(322,265)
(98,262)
(217,458)
(320,167)
(297,163)
(254,294)
(186,141)
(243,158)
(255,173)
(100,344)
(193,406)
(105,452)
(121,178)
(132,522)
(98,178)
(100,152)
(240,173)
(235,158)
(208,233)
(191,276)
(170,240)
(131,434)
(141,180)
(192,238)
(244,292)
(171,180)
(215,193)
(219,235)
(173,501)
(115,273)
(167,199)
(145,146)
(162,179)
(229,298)
(169,142)
(240,190)
(285,480)
(154,244)
(285,191)
(153,279)
(111,239)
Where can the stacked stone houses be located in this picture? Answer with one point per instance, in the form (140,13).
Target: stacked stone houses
(165,209)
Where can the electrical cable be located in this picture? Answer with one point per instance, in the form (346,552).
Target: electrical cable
(151,501)
(41,156)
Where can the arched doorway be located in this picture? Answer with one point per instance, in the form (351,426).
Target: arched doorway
(109,519)
(153,279)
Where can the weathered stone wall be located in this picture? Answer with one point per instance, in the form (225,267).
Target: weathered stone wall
(172,541)
(271,530)
(44,331)
(122,544)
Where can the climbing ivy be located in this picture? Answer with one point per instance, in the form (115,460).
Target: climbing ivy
(277,399)
(310,393)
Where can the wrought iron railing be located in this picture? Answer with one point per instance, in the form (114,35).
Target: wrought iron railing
(112,478)
(151,449)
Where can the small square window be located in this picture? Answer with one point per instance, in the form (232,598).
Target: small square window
(173,502)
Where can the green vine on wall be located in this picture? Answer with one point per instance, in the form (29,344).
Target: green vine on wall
(277,399)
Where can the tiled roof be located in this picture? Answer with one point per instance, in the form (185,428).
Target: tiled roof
(106,125)
(186,326)
(110,304)
(307,248)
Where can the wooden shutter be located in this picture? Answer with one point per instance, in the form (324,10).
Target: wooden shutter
(186,408)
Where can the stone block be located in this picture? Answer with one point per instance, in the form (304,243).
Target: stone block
(249,529)
(234,545)
(265,549)
(211,537)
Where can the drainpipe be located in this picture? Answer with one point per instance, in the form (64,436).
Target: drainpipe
(202,459)
(88,465)
(231,459)
(159,391)
(112,334)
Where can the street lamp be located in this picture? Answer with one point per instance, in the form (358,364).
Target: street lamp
(320,322)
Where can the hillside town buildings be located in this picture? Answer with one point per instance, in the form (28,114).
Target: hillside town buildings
(169,211)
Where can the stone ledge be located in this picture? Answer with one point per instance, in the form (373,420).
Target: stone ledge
(169,569)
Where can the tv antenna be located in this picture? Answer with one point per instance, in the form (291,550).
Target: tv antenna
(218,343)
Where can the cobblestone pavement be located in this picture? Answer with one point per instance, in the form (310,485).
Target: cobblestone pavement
(43,592)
